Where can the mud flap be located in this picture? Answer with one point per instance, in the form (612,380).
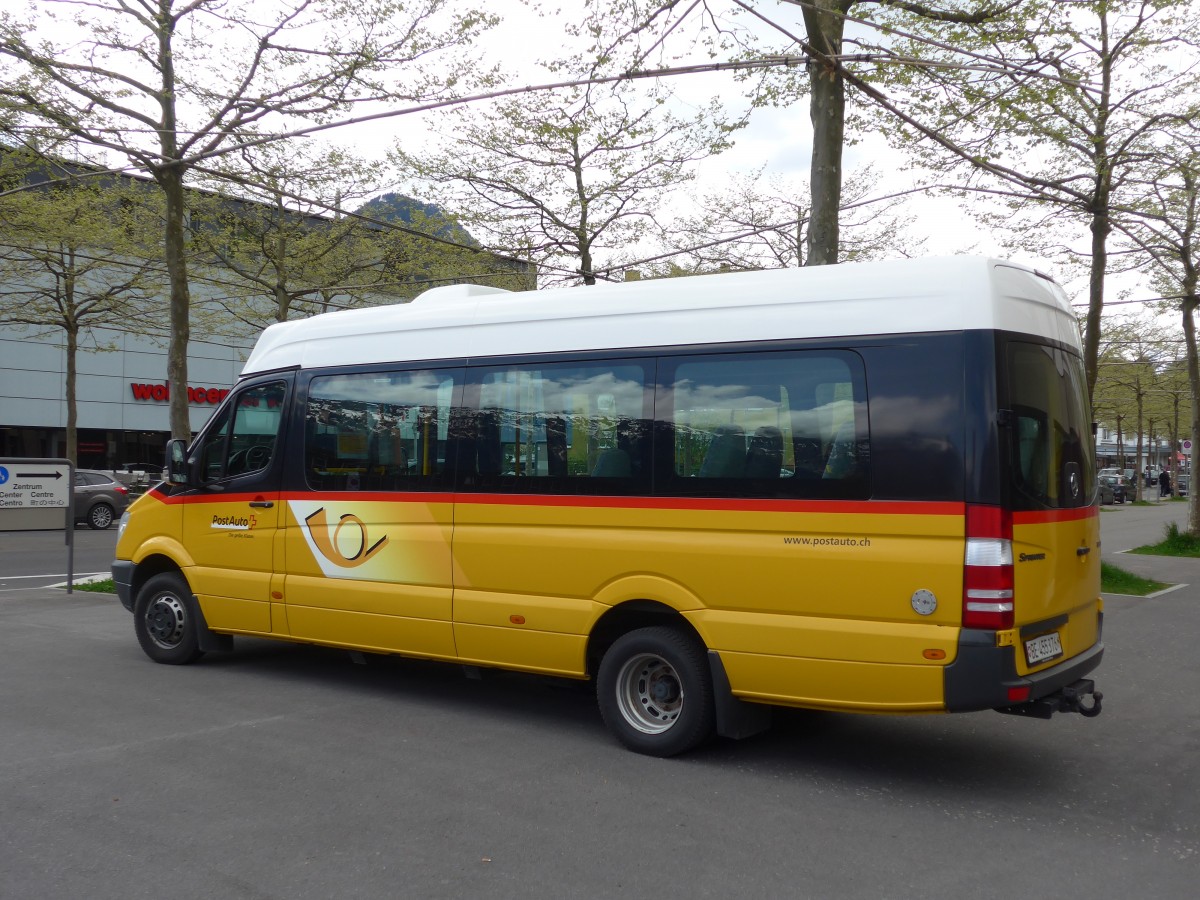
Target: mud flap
(736,718)
(207,640)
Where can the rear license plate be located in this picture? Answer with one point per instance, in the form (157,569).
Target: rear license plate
(1042,648)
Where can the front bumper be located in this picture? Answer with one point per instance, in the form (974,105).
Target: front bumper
(122,570)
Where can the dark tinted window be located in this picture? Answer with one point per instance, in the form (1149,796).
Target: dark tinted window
(249,445)
(1052,455)
(767,424)
(579,428)
(378,431)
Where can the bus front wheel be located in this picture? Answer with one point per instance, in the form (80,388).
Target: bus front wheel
(655,691)
(163,620)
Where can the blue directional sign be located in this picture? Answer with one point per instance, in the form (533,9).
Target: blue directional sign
(35,485)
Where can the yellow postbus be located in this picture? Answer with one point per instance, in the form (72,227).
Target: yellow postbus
(865,487)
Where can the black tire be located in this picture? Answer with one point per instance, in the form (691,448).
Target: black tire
(163,620)
(655,693)
(101,516)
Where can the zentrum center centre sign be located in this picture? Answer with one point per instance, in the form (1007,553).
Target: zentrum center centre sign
(161,393)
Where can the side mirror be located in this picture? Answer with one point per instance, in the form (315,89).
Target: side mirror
(177,464)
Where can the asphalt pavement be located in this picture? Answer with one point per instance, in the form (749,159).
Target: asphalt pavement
(288,771)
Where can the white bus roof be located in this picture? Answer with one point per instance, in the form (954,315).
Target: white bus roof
(853,299)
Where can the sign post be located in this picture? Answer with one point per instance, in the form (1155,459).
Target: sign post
(39,495)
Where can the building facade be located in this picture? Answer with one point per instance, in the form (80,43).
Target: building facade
(121,390)
(122,396)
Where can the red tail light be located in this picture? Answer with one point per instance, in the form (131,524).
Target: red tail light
(120,489)
(988,569)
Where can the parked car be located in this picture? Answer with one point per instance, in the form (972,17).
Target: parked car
(1182,482)
(99,498)
(140,473)
(1113,489)
(1107,498)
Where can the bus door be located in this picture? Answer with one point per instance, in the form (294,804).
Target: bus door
(368,533)
(231,513)
(1055,518)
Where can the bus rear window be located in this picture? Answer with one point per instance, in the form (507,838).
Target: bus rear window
(1052,460)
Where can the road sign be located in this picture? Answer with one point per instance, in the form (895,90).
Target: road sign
(39,495)
(35,484)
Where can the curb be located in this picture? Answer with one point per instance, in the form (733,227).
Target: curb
(84,579)
(1166,590)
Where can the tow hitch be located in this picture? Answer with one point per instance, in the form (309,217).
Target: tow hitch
(1072,698)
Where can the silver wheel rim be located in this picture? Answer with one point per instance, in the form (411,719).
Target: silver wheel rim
(102,516)
(165,618)
(649,693)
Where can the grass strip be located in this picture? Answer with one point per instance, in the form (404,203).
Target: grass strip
(98,587)
(1175,543)
(1115,580)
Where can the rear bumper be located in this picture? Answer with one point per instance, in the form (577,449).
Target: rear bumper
(983,674)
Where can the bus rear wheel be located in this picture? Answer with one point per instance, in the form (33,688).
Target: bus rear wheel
(163,620)
(655,691)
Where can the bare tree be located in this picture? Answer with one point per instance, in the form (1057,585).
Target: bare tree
(1167,230)
(1135,370)
(275,235)
(632,33)
(73,257)
(567,178)
(1053,118)
(763,223)
(163,84)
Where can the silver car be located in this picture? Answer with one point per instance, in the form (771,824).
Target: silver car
(99,498)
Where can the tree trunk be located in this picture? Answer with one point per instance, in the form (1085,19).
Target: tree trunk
(72,405)
(827,112)
(1101,225)
(1141,476)
(583,241)
(1101,228)
(171,179)
(283,302)
(1191,301)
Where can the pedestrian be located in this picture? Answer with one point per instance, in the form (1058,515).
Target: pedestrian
(1164,484)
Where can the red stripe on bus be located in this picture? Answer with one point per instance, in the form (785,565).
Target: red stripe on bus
(858,507)
(1048,516)
(877,507)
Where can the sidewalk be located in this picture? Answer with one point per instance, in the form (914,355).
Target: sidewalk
(1171,569)
(1124,527)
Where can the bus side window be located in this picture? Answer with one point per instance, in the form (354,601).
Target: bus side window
(378,431)
(561,428)
(769,424)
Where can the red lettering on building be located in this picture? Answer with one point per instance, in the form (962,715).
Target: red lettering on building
(161,393)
